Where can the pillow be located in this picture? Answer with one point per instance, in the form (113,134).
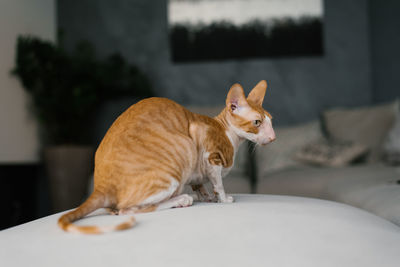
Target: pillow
(280,154)
(366,125)
(241,157)
(392,144)
(330,153)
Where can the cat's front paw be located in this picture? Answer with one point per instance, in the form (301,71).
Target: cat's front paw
(228,199)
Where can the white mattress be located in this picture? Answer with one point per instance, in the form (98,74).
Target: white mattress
(256,230)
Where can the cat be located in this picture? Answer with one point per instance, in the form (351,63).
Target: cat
(157,146)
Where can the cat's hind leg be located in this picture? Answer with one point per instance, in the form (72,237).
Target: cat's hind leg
(180,201)
(175,202)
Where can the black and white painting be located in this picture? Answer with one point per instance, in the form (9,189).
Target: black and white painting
(202,30)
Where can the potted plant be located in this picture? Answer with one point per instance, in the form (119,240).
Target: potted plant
(66,90)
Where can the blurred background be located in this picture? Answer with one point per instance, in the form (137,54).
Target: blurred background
(68,68)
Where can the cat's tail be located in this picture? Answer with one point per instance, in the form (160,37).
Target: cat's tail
(94,202)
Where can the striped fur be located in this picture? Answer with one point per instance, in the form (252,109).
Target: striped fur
(157,146)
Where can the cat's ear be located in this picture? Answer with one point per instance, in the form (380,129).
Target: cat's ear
(256,95)
(236,98)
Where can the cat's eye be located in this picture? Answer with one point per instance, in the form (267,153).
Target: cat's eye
(257,123)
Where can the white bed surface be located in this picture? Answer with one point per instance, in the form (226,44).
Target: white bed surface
(256,230)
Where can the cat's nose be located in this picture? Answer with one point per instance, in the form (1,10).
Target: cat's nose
(272,139)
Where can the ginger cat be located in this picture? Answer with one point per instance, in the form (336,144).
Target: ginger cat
(157,146)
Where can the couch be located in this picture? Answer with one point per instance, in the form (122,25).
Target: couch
(364,173)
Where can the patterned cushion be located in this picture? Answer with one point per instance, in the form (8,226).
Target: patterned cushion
(330,153)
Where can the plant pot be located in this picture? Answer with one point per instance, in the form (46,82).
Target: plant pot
(68,170)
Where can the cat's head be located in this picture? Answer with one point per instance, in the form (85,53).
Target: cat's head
(246,116)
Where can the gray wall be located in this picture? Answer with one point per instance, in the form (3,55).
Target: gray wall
(385,49)
(298,88)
